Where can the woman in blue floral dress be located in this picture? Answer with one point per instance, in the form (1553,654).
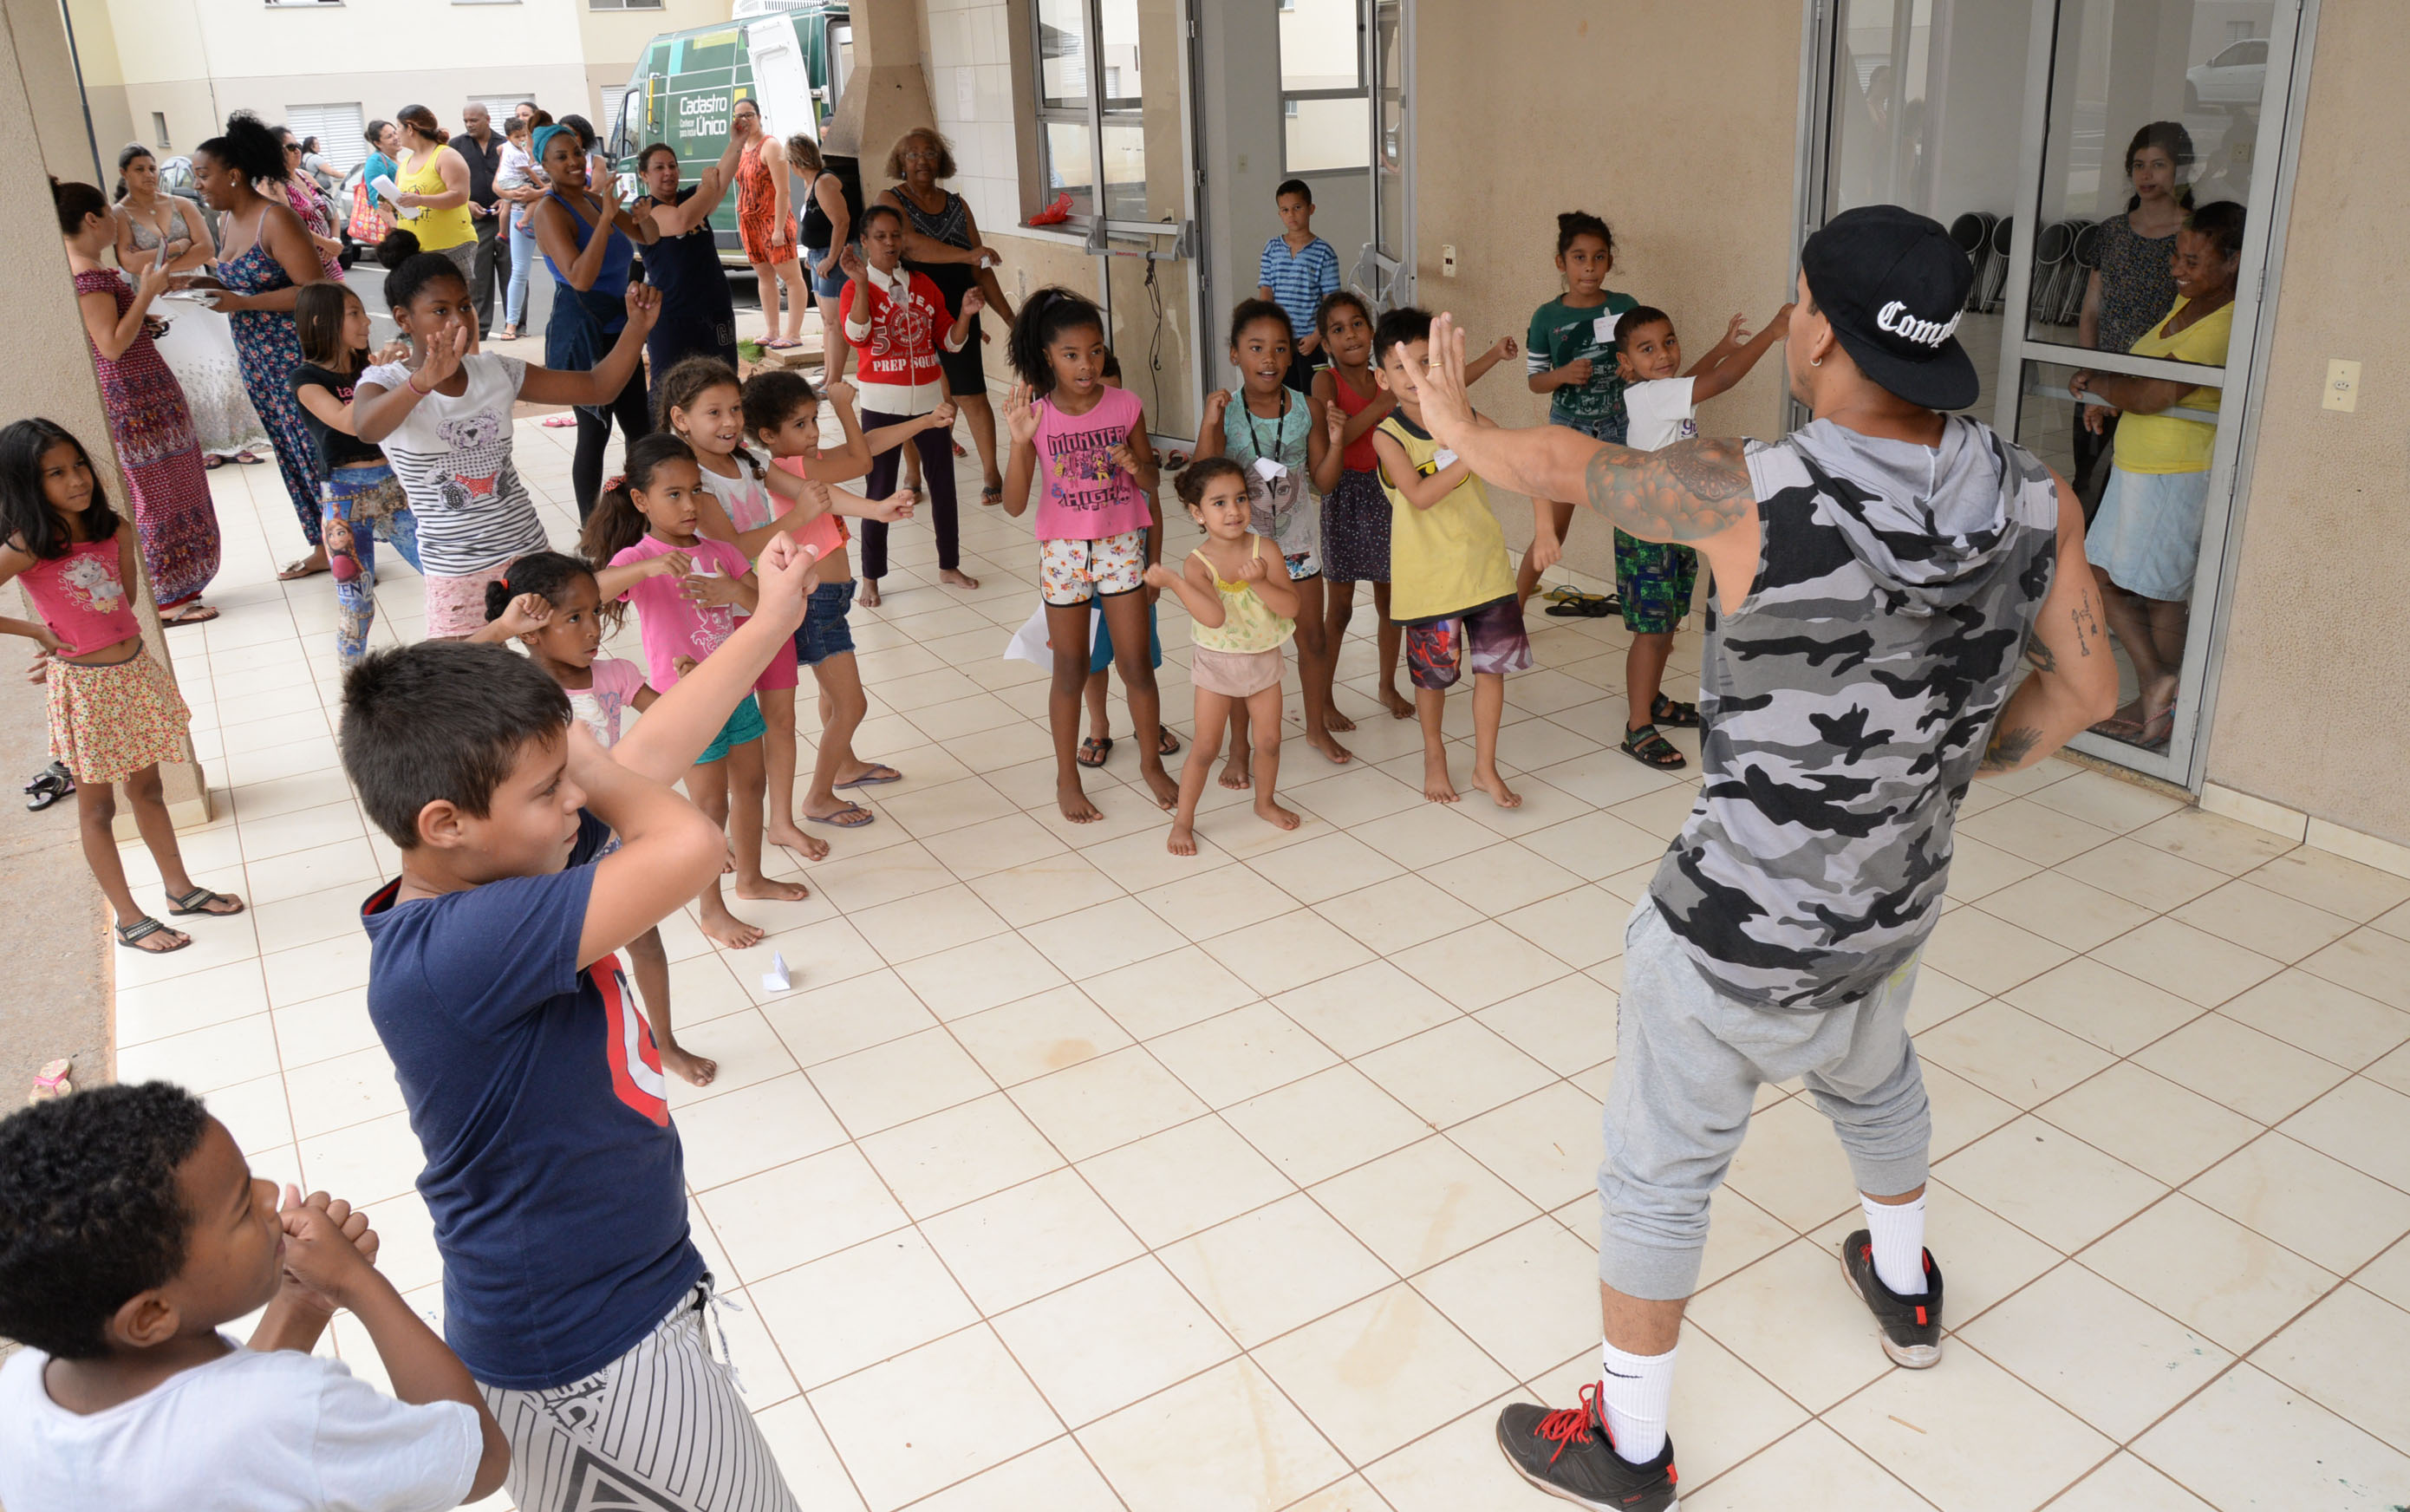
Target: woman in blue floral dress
(265,254)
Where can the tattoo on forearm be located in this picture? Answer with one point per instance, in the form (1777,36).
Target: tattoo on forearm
(1688,491)
(2010,748)
(2087,629)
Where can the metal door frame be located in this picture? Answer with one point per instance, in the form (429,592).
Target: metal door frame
(1396,274)
(2284,98)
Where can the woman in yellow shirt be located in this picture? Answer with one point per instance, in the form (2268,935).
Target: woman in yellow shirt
(434,182)
(2145,542)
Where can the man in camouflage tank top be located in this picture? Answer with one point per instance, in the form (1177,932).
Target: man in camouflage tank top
(1880,575)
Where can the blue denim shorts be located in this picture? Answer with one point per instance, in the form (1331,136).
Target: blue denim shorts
(1100,656)
(825,631)
(742,728)
(831,286)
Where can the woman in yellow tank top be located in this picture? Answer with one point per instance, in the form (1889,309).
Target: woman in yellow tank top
(434,181)
(1242,622)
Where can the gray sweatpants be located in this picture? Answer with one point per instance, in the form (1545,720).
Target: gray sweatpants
(1688,1062)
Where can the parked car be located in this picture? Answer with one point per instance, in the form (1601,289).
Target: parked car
(2238,75)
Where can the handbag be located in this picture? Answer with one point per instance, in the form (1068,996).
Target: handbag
(369,225)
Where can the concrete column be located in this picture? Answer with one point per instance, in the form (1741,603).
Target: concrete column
(52,374)
(888,94)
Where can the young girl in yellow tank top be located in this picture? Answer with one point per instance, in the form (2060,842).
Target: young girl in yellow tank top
(1238,592)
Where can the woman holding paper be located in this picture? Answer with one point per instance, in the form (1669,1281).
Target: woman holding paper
(434,184)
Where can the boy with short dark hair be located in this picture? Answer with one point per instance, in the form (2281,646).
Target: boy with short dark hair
(1655,579)
(572,1288)
(131,1230)
(1451,581)
(1298,268)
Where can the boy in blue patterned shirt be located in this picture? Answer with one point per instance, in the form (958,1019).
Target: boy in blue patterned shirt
(1297,270)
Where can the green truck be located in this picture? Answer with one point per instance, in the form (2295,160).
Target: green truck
(793,60)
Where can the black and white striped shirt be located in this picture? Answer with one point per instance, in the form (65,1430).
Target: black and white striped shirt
(453,457)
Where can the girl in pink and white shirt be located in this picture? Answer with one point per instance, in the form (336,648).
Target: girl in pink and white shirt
(686,611)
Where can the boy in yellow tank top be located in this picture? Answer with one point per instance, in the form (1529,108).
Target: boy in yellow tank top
(1451,582)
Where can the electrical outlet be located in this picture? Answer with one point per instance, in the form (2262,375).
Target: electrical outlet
(1447,260)
(2343,385)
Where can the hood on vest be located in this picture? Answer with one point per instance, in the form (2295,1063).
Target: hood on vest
(1923,520)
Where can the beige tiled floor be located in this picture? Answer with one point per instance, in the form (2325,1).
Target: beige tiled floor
(1073,1176)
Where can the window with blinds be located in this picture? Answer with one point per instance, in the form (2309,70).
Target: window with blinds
(337,127)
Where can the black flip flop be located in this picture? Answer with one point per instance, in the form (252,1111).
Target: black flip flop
(131,936)
(1103,747)
(55,782)
(198,901)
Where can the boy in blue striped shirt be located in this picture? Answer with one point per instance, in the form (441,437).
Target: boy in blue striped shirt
(1297,270)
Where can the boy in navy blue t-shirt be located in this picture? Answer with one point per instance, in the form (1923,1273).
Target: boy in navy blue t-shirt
(571,1287)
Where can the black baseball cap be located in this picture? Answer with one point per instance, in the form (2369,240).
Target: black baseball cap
(1894,284)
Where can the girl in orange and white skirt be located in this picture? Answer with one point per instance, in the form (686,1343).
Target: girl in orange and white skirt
(115,715)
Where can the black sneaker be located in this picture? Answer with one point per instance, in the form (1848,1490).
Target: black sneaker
(1911,1326)
(1568,1455)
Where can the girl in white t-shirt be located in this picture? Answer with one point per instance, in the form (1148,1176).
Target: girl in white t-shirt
(1656,580)
(443,420)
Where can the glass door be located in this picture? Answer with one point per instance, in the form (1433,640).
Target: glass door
(2117,345)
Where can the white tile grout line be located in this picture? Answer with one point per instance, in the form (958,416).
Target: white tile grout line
(291,648)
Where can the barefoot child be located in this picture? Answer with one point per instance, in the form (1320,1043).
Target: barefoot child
(1451,582)
(1653,579)
(651,513)
(1098,744)
(1572,360)
(1098,468)
(132,1230)
(554,1173)
(114,713)
(552,605)
(1276,435)
(1245,609)
(896,321)
(1355,510)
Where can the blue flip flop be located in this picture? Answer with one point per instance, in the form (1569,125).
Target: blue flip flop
(843,819)
(872,780)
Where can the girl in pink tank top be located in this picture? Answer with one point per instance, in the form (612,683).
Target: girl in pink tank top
(114,713)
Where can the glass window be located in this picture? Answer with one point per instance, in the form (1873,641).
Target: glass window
(1118,52)
(1936,133)
(1328,120)
(1062,54)
(713,50)
(2155,109)
(1126,167)
(1070,164)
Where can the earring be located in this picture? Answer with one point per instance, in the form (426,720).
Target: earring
(1815,363)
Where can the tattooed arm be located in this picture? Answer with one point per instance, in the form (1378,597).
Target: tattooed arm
(1695,492)
(2075,680)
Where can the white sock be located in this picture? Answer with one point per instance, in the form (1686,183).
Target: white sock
(1634,1391)
(1897,1229)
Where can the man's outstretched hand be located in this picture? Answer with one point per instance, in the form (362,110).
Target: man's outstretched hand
(1440,387)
